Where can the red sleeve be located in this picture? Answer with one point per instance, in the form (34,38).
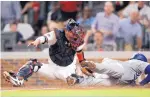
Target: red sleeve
(80,55)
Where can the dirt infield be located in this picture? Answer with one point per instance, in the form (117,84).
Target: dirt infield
(58,84)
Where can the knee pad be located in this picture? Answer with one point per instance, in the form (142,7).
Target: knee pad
(27,70)
(36,68)
(24,72)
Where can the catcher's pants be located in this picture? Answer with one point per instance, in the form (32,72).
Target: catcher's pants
(110,67)
(54,71)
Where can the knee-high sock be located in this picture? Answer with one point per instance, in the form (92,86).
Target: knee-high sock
(147,79)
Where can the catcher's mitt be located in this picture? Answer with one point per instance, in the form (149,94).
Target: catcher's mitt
(88,67)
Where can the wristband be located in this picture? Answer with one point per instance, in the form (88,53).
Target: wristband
(80,56)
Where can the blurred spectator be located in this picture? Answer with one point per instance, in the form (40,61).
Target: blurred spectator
(130,31)
(54,18)
(144,19)
(44,30)
(107,23)
(13,29)
(24,17)
(87,19)
(120,14)
(119,5)
(23,3)
(10,12)
(139,6)
(55,13)
(53,24)
(43,12)
(98,43)
(97,6)
(69,9)
(35,7)
(143,9)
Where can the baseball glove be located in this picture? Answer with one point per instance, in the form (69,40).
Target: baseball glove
(88,67)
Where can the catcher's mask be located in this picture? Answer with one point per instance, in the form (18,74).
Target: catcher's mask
(75,34)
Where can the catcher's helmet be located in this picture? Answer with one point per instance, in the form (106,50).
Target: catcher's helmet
(76,33)
(139,56)
(71,24)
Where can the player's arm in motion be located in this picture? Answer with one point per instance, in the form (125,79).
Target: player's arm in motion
(87,67)
(80,56)
(49,38)
(146,80)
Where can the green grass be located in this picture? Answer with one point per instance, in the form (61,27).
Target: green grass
(78,93)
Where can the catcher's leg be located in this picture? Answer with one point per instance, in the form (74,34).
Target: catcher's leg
(53,71)
(64,72)
(17,79)
(47,70)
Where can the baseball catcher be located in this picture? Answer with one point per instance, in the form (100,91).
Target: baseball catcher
(64,45)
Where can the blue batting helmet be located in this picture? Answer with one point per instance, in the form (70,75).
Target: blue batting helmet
(139,56)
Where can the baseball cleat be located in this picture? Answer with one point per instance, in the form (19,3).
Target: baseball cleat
(12,78)
(6,76)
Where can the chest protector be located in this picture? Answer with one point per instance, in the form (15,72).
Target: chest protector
(61,52)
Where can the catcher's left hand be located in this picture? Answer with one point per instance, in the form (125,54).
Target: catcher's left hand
(88,67)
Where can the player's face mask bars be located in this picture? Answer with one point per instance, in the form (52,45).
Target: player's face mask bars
(76,37)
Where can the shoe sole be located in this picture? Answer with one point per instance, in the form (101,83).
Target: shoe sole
(6,76)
